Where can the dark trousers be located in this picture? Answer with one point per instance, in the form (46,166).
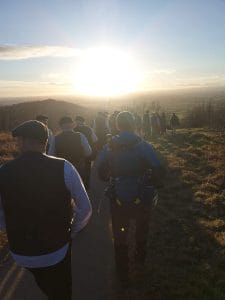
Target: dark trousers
(121,217)
(55,281)
(87,173)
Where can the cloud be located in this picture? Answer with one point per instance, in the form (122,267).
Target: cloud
(56,78)
(16,88)
(164,71)
(160,72)
(15,52)
(202,81)
(157,79)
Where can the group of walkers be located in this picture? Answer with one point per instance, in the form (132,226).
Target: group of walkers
(149,126)
(44,203)
(156,124)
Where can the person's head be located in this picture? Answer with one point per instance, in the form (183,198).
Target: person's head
(116,112)
(79,120)
(43,119)
(125,121)
(66,123)
(31,136)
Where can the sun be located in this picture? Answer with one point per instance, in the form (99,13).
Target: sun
(106,72)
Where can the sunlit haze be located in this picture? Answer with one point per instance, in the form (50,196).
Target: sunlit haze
(108,47)
(106,72)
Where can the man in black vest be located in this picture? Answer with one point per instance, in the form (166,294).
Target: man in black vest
(72,146)
(88,132)
(37,210)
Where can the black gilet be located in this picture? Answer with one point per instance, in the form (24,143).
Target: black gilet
(36,203)
(86,130)
(68,146)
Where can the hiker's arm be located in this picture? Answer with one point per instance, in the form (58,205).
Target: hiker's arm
(2,217)
(85,145)
(82,207)
(93,136)
(153,161)
(103,164)
(51,140)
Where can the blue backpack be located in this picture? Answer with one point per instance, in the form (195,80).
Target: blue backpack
(131,181)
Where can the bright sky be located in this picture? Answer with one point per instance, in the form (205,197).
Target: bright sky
(109,47)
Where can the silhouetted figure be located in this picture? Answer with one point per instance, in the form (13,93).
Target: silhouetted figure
(154,125)
(112,123)
(51,138)
(138,123)
(37,210)
(101,129)
(174,123)
(88,132)
(158,124)
(146,125)
(163,123)
(73,146)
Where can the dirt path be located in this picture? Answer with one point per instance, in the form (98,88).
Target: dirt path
(92,261)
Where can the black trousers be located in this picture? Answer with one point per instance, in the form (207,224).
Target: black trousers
(87,173)
(55,281)
(121,217)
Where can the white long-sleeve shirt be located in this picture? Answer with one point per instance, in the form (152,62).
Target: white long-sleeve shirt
(82,214)
(93,136)
(51,142)
(85,145)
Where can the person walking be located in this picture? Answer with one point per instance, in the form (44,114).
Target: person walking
(174,123)
(51,138)
(138,123)
(131,190)
(146,125)
(163,123)
(112,123)
(101,129)
(43,204)
(73,146)
(154,125)
(92,139)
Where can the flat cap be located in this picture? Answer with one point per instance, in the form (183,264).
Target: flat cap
(41,118)
(32,129)
(79,118)
(65,120)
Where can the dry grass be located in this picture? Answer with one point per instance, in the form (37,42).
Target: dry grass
(7,147)
(186,255)
(7,152)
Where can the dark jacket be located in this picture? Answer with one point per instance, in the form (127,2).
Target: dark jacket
(86,130)
(68,146)
(128,155)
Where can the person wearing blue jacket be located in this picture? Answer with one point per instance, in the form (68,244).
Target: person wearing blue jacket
(134,170)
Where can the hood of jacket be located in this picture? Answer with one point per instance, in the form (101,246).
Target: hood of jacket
(126,138)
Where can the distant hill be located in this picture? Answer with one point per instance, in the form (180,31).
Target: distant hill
(12,115)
